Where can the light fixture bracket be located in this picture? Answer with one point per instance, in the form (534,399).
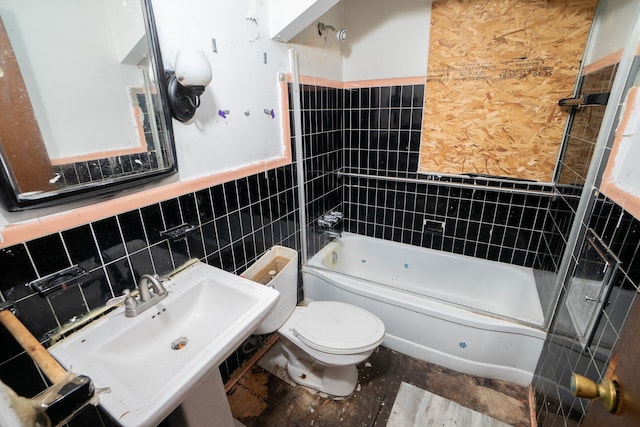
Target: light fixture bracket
(183,100)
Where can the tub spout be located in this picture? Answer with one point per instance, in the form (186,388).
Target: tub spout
(332,234)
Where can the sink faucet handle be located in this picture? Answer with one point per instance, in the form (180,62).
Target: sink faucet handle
(130,303)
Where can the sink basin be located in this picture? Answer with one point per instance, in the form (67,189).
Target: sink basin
(151,361)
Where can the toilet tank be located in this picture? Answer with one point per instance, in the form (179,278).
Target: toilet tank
(277,268)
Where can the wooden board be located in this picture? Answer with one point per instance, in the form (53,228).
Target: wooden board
(22,143)
(496,71)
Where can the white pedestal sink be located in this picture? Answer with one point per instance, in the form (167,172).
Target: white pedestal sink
(152,362)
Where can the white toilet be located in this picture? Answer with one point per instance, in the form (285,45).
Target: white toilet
(324,340)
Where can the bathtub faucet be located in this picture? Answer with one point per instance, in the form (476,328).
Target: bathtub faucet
(332,234)
(330,219)
(324,223)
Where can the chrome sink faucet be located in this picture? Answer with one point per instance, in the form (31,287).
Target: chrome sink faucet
(147,283)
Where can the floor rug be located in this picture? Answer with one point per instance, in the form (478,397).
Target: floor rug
(416,407)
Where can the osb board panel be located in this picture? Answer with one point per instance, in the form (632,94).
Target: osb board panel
(496,71)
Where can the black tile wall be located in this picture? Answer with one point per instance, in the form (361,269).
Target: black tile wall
(563,353)
(322,145)
(495,225)
(236,222)
(380,136)
(382,128)
(620,233)
(555,235)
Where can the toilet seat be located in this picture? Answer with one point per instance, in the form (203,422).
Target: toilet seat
(338,328)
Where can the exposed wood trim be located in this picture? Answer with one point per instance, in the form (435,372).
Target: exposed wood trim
(239,373)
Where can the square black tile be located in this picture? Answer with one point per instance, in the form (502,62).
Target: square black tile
(188,209)
(48,254)
(16,267)
(132,228)
(22,376)
(108,236)
(205,207)
(171,213)
(153,223)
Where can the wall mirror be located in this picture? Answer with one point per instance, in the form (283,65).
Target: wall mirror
(82,111)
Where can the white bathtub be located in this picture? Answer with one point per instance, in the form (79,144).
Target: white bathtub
(474,316)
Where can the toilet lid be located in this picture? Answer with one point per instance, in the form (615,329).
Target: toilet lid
(339,328)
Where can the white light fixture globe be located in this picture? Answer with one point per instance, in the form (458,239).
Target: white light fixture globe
(186,84)
(192,68)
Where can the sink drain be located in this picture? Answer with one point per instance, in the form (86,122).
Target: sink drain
(180,343)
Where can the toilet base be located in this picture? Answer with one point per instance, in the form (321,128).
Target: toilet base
(334,381)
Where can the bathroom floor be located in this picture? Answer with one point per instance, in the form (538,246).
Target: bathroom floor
(261,399)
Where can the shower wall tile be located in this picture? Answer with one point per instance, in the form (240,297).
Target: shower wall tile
(322,146)
(620,233)
(382,134)
(580,139)
(496,225)
(382,128)
(563,354)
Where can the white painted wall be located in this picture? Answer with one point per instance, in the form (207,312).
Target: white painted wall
(242,82)
(287,18)
(68,59)
(321,56)
(610,28)
(386,39)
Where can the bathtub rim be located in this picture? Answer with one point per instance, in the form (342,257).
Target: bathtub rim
(445,310)
(314,262)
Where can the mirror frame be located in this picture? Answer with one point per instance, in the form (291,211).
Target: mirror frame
(9,193)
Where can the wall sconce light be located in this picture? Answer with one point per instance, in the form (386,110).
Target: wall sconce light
(187,83)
